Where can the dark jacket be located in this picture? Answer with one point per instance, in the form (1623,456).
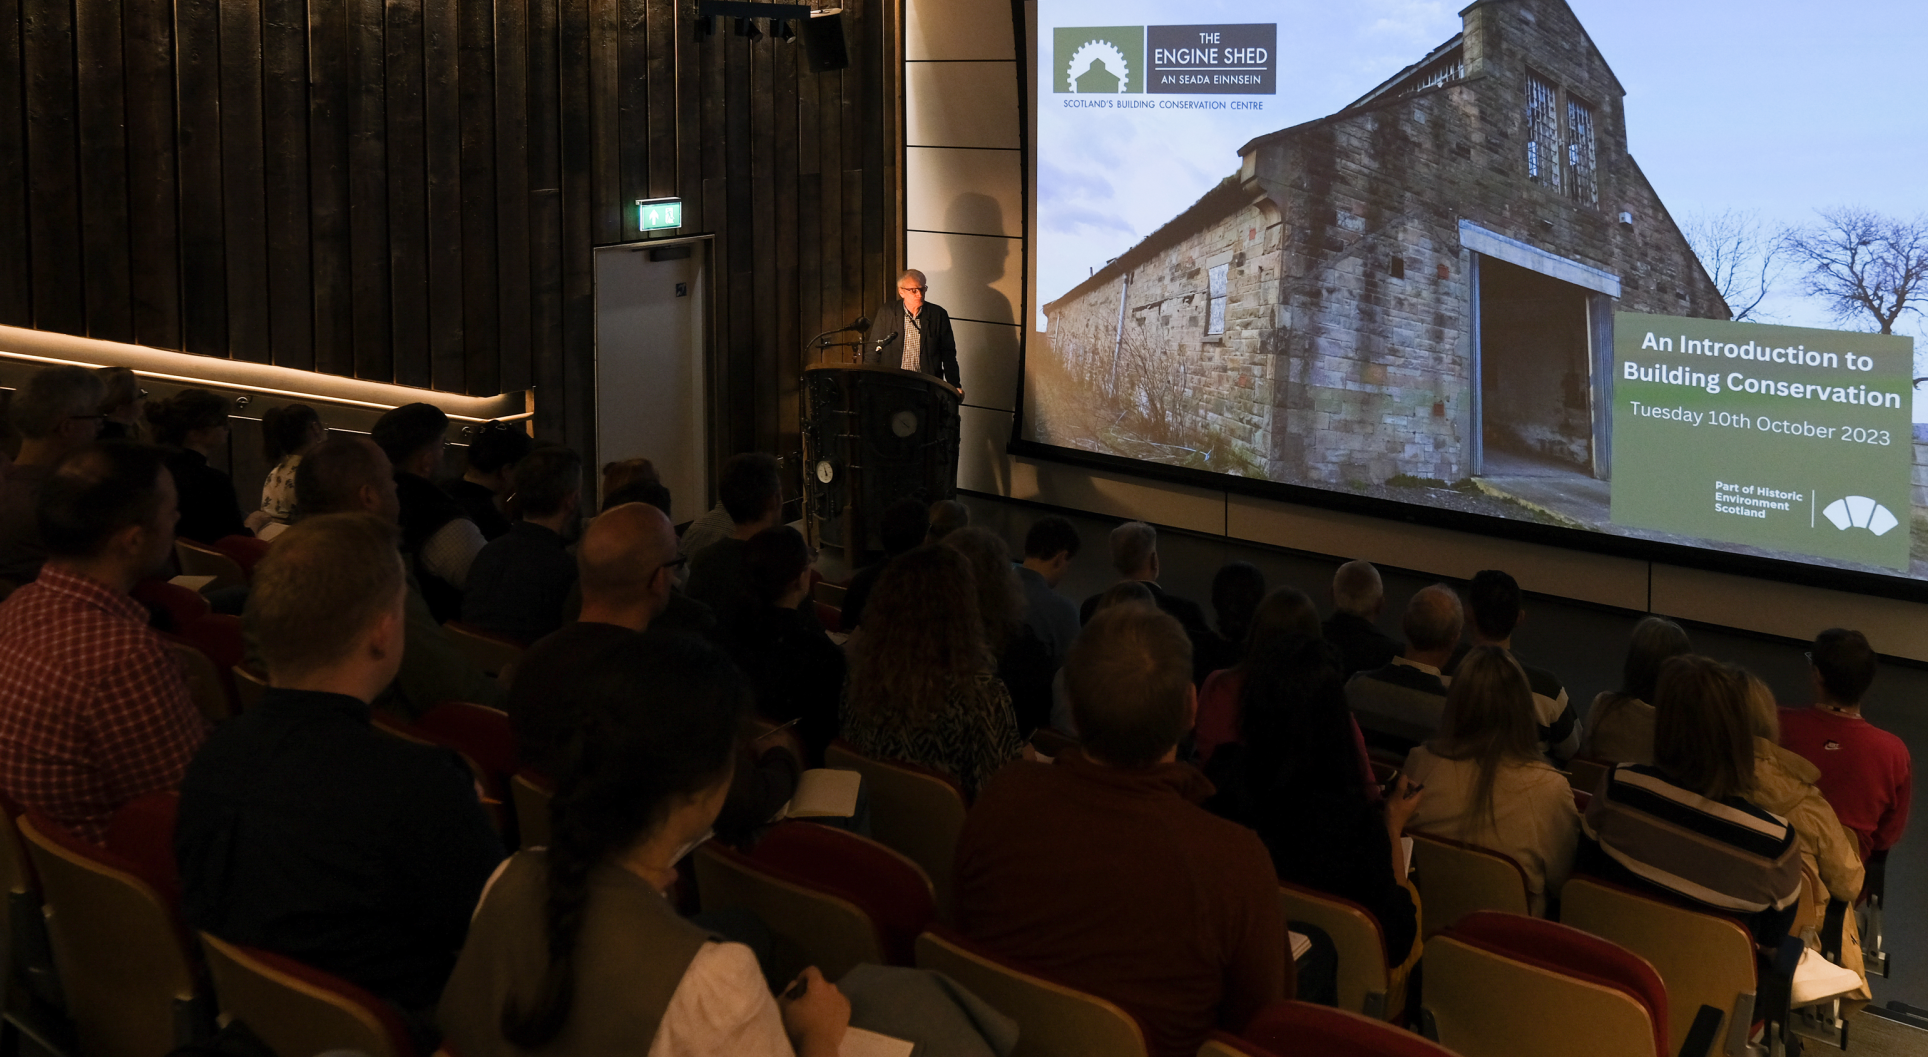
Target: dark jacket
(425,509)
(479,503)
(518,584)
(1362,646)
(797,671)
(1186,612)
(209,509)
(939,345)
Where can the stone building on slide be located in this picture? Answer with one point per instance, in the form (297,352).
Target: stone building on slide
(1421,284)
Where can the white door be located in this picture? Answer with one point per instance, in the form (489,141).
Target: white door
(652,388)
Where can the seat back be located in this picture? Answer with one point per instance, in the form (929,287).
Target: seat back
(297,1009)
(1704,959)
(1301,1027)
(248,687)
(1053,1020)
(477,731)
(1051,741)
(530,793)
(808,924)
(29,952)
(204,683)
(1501,985)
(913,809)
(123,961)
(491,653)
(886,884)
(247,551)
(1364,972)
(181,605)
(1455,879)
(1584,773)
(494,803)
(201,560)
(141,831)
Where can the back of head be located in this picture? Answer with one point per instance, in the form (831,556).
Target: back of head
(404,431)
(946,517)
(285,429)
(749,484)
(1433,619)
(544,480)
(330,477)
(498,445)
(53,395)
(1655,640)
(1133,545)
(622,473)
(624,769)
(1129,677)
(922,636)
(904,525)
(320,588)
(1494,598)
(119,388)
(652,492)
(1297,728)
(1703,736)
(1000,597)
(1237,589)
(1124,593)
(1846,664)
(181,414)
(96,492)
(1489,719)
(1357,589)
(1050,536)
(621,552)
(774,559)
(1284,613)
(1763,712)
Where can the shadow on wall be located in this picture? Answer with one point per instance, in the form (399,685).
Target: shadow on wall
(969,286)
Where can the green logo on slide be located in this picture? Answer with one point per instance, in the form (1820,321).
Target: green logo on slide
(1105,60)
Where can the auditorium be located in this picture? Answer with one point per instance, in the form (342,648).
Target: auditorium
(960,528)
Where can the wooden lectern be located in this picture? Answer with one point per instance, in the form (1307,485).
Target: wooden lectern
(872,434)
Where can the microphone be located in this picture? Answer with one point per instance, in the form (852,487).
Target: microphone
(885,342)
(863,323)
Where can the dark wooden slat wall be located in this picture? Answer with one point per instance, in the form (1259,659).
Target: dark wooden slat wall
(413,190)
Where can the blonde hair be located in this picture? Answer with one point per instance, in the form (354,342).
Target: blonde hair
(1762,709)
(1703,737)
(1489,719)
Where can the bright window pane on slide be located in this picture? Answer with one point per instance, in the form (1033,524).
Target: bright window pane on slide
(1220,277)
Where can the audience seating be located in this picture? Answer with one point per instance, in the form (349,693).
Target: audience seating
(201,560)
(141,831)
(830,898)
(126,967)
(531,792)
(1585,773)
(203,680)
(296,1009)
(248,687)
(1501,985)
(1052,742)
(1284,1029)
(1053,1020)
(916,810)
(1364,972)
(1456,878)
(30,997)
(491,653)
(246,551)
(1705,959)
(1874,894)
(492,790)
(182,606)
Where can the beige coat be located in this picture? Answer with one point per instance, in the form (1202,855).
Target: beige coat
(1784,784)
(1619,730)
(1535,821)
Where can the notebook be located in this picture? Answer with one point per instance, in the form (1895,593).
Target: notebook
(192,583)
(1300,942)
(270,530)
(823,793)
(1816,979)
(860,1043)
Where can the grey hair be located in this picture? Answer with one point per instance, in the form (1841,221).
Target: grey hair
(1434,618)
(1356,588)
(912,273)
(54,394)
(1132,545)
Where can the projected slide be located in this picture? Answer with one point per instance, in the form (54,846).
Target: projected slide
(1405,251)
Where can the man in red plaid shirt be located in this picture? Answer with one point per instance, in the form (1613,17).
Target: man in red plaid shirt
(94,711)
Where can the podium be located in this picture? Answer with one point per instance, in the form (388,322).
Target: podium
(872,434)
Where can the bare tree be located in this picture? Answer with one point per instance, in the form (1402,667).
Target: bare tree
(1743,256)
(1860,261)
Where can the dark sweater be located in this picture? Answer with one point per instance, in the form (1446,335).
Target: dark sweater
(425,509)
(519,583)
(478,502)
(1362,646)
(209,509)
(797,671)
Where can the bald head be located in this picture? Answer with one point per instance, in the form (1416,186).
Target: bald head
(624,563)
(1433,622)
(1357,589)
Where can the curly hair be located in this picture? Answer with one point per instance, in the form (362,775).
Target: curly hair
(1000,597)
(921,636)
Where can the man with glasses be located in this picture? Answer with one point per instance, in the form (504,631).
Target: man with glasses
(925,343)
(56,414)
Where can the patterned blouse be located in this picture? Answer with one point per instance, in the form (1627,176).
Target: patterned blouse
(278,491)
(973,735)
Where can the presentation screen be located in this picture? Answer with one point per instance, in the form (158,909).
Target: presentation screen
(1543,262)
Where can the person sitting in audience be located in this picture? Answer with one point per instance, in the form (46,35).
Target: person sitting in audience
(626,562)
(1134,554)
(94,711)
(1485,778)
(902,528)
(1620,725)
(56,413)
(655,493)
(1358,597)
(486,482)
(1297,780)
(1686,825)
(1866,772)
(1283,613)
(348,474)
(1123,593)
(1023,662)
(577,948)
(1049,546)
(922,688)
(621,473)
(438,539)
(797,671)
(304,830)
(120,403)
(287,433)
(1101,872)
(1399,705)
(519,583)
(1237,590)
(946,517)
(193,426)
(1495,600)
(752,490)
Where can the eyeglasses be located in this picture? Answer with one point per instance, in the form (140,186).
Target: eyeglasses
(912,289)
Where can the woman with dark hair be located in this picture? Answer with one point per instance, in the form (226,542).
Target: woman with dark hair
(1620,725)
(286,435)
(797,671)
(1023,660)
(1687,824)
(1486,782)
(1296,780)
(1284,613)
(1237,590)
(923,686)
(193,426)
(576,949)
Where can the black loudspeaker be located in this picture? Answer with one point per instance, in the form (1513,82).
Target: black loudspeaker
(871,436)
(824,45)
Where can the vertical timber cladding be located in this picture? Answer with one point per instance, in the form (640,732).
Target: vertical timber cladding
(1346,348)
(411,193)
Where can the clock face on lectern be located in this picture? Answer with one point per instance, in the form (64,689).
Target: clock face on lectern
(903,423)
(825,471)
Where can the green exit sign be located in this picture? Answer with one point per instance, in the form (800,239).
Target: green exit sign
(656,214)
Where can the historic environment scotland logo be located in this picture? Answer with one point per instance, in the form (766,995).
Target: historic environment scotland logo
(1103,60)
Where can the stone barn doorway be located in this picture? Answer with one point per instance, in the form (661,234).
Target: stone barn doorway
(1536,406)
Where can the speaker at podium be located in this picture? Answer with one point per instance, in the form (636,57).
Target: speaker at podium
(873,434)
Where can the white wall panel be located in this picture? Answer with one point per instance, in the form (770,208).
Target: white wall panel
(987,363)
(963,191)
(1896,628)
(972,276)
(958,29)
(982,465)
(1119,495)
(961,104)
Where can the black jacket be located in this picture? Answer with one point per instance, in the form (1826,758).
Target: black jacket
(1186,612)
(939,347)
(209,509)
